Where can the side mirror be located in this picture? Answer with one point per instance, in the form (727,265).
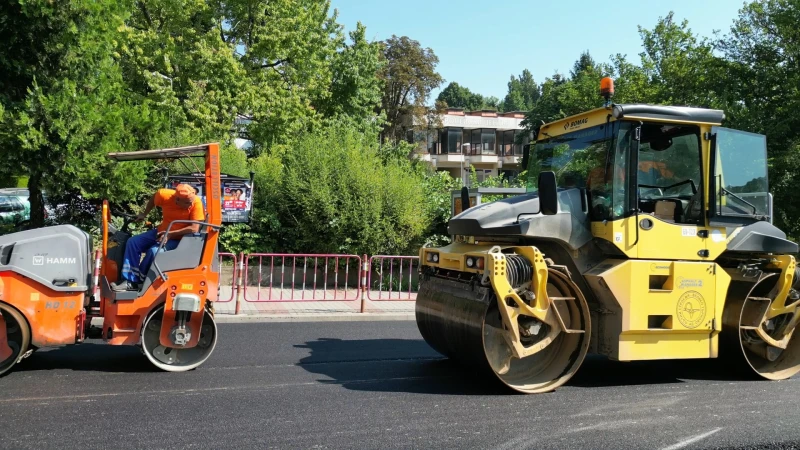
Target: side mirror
(548,193)
(464,198)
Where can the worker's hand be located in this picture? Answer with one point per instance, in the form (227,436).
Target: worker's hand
(139,217)
(162,236)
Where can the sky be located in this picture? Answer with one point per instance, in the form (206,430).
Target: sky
(481,44)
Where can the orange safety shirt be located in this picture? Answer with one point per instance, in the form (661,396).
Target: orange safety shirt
(165,199)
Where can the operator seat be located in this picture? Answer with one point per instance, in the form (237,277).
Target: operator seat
(187,255)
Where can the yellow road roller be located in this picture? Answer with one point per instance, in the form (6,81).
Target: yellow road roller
(645,233)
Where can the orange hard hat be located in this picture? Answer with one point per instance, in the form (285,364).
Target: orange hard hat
(184,191)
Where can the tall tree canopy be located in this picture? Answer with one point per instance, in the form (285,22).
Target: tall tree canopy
(409,76)
(456,96)
(64,102)
(523,92)
(355,89)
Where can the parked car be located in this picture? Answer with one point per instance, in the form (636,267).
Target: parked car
(15,206)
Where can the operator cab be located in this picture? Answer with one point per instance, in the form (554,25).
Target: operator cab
(648,174)
(190,252)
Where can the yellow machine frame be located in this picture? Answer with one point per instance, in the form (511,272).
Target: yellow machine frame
(663,300)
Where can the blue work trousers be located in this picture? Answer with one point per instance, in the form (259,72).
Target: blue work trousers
(147,243)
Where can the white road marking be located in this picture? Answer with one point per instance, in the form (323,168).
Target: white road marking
(692,440)
(516,443)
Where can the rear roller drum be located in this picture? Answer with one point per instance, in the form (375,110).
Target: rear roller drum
(765,345)
(465,324)
(15,339)
(177,359)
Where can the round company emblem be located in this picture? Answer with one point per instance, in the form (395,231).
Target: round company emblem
(691,309)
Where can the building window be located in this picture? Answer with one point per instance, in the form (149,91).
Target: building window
(525,140)
(433,143)
(475,142)
(487,141)
(454,136)
(483,174)
(505,142)
(509,175)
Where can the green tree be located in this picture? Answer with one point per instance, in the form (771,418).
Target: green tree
(678,64)
(584,63)
(409,77)
(63,101)
(175,61)
(286,48)
(456,96)
(523,93)
(356,87)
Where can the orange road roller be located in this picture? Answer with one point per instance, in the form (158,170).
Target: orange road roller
(53,292)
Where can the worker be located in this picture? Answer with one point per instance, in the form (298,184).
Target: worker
(180,203)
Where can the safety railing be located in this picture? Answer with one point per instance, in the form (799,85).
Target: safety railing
(395,278)
(277,277)
(227,277)
(285,277)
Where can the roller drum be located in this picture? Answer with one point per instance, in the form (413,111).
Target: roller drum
(741,347)
(461,321)
(178,359)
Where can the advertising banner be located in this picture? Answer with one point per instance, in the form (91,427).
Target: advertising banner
(236,195)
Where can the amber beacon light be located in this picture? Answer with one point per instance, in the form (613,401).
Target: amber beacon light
(607,88)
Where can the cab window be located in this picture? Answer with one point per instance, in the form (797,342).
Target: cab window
(669,172)
(591,159)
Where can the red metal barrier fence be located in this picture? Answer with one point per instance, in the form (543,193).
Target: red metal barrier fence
(291,278)
(226,281)
(301,277)
(391,280)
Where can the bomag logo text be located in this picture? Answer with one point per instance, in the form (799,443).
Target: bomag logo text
(576,123)
(60,260)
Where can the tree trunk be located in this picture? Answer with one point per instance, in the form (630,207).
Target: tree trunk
(36,200)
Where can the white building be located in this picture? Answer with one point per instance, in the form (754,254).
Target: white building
(483,139)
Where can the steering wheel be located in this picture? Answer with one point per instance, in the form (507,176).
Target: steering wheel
(661,189)
(651,189)
(689,180)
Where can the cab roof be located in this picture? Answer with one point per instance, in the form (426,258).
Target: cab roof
(661,113)
(668,113)
(166,153)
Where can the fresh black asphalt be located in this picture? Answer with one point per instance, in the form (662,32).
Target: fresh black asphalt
(375,385)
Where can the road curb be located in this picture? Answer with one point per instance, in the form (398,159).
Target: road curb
(313,317)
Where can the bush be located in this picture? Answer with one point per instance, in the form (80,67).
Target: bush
(337,194)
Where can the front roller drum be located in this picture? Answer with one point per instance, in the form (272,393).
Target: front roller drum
(177,359)
(463,322)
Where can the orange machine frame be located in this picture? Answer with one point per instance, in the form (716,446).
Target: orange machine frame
(59,317)
(124,319)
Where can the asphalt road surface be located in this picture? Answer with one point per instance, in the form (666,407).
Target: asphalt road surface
(374,385)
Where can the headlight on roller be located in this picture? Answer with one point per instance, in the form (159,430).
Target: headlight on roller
(475,262)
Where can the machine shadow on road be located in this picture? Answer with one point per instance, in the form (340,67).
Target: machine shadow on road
(599,371)
(392,365)
(409,365)
(88,357)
